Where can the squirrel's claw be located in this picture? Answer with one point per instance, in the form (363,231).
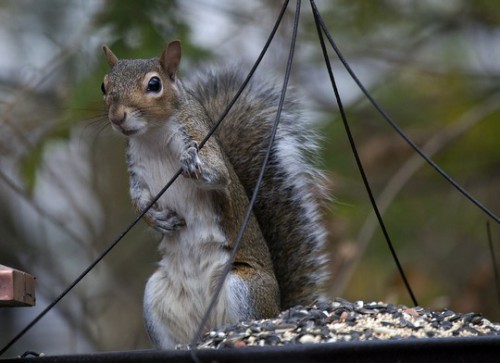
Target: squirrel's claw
(190,162)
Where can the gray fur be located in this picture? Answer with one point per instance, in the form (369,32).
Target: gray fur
(289,201)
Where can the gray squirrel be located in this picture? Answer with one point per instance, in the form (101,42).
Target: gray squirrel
(280,262)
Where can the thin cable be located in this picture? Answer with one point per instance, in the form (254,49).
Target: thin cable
(249,76)
(89,268)
(394,125)
(237,242)
(359,163)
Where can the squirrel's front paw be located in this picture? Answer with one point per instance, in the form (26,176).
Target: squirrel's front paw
(190,162)
(164,221)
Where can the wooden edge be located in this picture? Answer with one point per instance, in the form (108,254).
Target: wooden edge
(17,288)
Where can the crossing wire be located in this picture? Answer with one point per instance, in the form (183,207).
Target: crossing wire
(248,213)
(358,161)
(393,124)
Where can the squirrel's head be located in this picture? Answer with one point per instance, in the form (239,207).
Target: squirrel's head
(141,93)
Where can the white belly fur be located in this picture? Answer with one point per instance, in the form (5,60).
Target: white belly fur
(178,293)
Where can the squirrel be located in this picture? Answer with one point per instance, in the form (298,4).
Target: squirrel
(280,262)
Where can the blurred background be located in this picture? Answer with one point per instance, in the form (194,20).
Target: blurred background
(434,65)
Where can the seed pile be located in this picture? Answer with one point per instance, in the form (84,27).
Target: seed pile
(341,320)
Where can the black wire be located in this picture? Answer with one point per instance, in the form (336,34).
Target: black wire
(358,159)
(88,269)
(394,125)
(229,264)
(249,76)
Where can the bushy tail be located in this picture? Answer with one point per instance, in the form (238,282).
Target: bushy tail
(288,206)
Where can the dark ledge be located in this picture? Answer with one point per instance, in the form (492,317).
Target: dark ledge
(469,349)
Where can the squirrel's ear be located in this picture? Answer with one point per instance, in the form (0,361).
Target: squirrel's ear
(170,58)
(111,58)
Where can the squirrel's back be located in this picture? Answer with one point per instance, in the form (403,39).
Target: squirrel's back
(290,197)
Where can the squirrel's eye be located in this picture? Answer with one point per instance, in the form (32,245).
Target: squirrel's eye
(154,85)
(103,89)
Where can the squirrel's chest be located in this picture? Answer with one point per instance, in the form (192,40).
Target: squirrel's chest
(151,166)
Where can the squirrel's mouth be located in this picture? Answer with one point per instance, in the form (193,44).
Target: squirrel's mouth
(129,132)
(124,131)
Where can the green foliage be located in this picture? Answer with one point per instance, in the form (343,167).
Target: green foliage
(142,35)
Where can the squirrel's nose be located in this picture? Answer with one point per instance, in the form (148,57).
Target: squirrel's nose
(118,118)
